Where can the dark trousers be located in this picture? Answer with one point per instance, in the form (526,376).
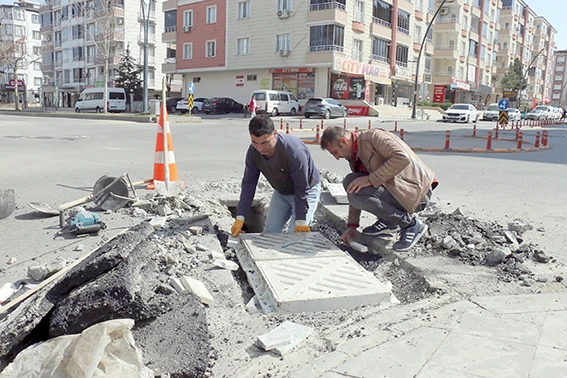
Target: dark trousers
(381,203)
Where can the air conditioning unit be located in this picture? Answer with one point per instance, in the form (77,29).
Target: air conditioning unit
(283,13)
(444,11)
(120,21)
(284,52)
(187,29)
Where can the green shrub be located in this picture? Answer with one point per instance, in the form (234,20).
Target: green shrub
(444,106)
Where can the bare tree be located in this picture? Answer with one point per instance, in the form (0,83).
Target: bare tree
(14,55)
(105,35)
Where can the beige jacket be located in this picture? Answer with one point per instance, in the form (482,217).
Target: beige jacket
(392,163)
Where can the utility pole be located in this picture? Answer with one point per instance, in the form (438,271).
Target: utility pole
(414,102)
(146,9)
(525,76)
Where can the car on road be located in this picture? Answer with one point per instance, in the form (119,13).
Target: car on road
(183,105)
(535,114)
(93,99)
(491,113)
(276,102)
(547,111)
(171,104)
(514,115)
(325,108)
(461,113)
(222,105)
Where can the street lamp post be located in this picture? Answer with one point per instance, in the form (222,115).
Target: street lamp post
(525,76)
(146,8)
(414,105)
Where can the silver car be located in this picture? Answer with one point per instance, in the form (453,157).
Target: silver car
(325,108)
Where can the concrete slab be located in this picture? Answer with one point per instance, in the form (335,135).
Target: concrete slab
(549,362)
(285,337)
(509,304)
(554,331)
(436,371)
(198,288)
(338,192)
(305,272)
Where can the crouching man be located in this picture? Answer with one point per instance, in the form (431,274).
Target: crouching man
(388,180)
(286,163)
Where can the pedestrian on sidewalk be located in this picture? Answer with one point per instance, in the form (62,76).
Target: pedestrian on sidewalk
(388,180)
(286,163)
(253,106)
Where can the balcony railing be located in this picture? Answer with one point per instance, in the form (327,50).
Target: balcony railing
(151,38)
(326,48)
(444,47)
(329,5)
(474,29)
(402,64)
(356,56)
(152,16)
(379,58)
(169,29)
(443,73)
(379,21)
(358,16)
(446,20)
(403,30)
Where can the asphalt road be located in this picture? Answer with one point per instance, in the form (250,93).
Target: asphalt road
(58,160)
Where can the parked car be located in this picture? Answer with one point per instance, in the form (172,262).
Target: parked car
(557,113)
(535,114)
(461,113)
(171,104)
(324,107)
(547,111)
(276,102)
(93,99)
(491,113)
(222,105)
(182,105)
(514,115)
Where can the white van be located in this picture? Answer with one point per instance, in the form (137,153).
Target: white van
(93,99)
(276,102)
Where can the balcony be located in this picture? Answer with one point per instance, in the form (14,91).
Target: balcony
(46,28)
(445,51)
(57,43)
(169,34)
(58,64)
(151,38)
(45,8)
(116,36)
(381,59)
(419,15)
(381,28)
(169,5)
(331,11)
(112,60)
(466,7)
(442,77)
(46,46)
(445,24)
(47,66)
(152,16)
(358,25)
(170,66)
(324,54)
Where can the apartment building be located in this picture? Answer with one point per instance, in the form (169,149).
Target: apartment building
(72,60)
(558,97)
(19,21)
(529,37)
(346,49)
(465,35)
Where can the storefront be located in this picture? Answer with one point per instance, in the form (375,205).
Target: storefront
(354,80)
(299,81)
(402,87)
(459,91)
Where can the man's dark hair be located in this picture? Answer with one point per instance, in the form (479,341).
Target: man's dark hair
(260,125)
(331,136)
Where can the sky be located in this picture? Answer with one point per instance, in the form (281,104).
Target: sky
(552,10)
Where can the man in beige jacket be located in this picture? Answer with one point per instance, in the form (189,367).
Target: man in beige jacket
(388,180)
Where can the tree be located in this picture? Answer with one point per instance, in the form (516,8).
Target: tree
(14,55)
(129,74)
(514,79)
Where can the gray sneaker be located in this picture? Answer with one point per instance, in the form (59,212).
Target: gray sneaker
(379,228)
(409,236)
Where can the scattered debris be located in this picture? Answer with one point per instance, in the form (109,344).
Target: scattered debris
(197,288)
(79,247)
(358,247)
(338,192)
(559,279)
(520,226)
(284,338)
(7,202)
(541,229)
(41,272)
(226,264)
(12,260)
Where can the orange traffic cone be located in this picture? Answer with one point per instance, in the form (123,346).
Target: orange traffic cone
(165,180)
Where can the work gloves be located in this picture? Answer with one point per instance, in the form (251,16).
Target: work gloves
(301,226)
(237,226)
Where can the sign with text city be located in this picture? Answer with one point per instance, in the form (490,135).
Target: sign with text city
(372,72)
(457,84)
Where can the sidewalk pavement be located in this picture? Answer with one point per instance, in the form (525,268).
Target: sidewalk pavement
(491,337)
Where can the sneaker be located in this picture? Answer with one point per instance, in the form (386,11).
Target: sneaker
(379,228)
(410,236)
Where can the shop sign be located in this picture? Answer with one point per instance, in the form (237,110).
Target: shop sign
(264,83)
(369,71)
(348,87)
(360,111)
(12,83)
(292,70)
(239,80)
(403,72)
(457,84)
(439,94)
(510,95)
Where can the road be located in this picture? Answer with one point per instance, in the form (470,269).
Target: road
(58,160)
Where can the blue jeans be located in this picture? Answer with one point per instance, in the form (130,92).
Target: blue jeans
(283,207)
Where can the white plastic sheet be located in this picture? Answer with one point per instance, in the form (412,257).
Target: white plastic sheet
(103,350)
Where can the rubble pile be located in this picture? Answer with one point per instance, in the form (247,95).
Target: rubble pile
(482,243)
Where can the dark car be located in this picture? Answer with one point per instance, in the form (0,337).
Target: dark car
(222,105)
(171,104)
(324,107)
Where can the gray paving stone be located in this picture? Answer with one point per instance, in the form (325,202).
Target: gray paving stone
(549,362)
(508,304)
(358,345)
(554,330)
(436,371)
(484,356)
(401,357)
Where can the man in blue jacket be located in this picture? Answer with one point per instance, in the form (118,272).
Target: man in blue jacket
(286,163)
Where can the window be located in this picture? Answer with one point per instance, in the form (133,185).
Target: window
(417,34)
(402,55)
(35,18)
(285,4)
(37,81)
(36,35)
(403,22)
(251,77)
(188,51)
(427,64)
(326,38)
(188,18)
(465,22)
(37,66)
(116,96)
(36,50)
(380,50)
(284,97)
(211,49)
(483,52)
(357,50)
(243,46)
(485,29)
(212,15)
(77,54)
(359,11)
(244,9)
(382,13)
(18,31)
(283,41)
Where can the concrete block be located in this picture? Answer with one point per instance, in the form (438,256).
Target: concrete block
(253,306)
(158,222)
(338,192)
(358,247)
(196,230)
(226,264)
(285,337)
(176,283)
(198,288)
(216,255)
(201,247)
(41,272)
(79,247)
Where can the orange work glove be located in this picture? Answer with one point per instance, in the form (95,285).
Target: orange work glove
(237,226)
(301,226)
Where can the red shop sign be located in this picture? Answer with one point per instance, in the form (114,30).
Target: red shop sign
(292,70)
(357,110)
(439,94)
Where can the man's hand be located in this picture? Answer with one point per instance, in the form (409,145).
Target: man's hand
(237,226)
(301,226)
(359,183)
(348,235)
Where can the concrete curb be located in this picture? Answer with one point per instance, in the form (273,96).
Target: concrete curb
(96,116)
